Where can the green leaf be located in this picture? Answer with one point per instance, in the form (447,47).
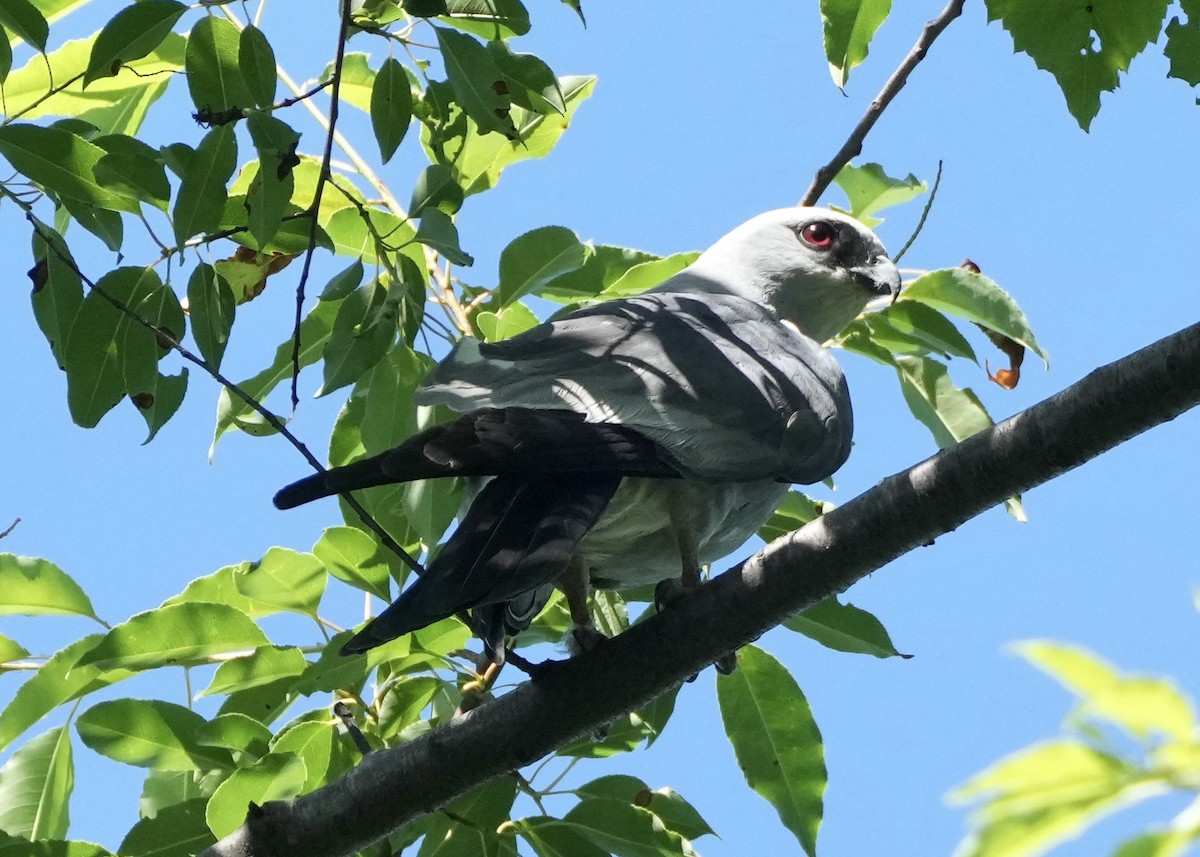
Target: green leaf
(976,298)
(1139,704)
(270,194)
(202,192)
(909,327)
(285,579)
(30,586)
(391,107)
(870,190)
(57,289)
(550,837)
(647,275)
(776,741)
(436,187)
(437,231)
(531,83)
(131,167)
(316,743)
(358,79)
(342,284)
(1084,46)
(5,56)
(59,680)
(849,27)
(491,19)
(176,829)
(35,787)
(1183,44)
(256,62)
(363,331)
(483,810)
(213,66)
(274,777)
(951,414)
(513,319)
(63,163)
(474,77)
(485,156)
(211,308)
(10,650)
(148,734)
(1046,794)
(623,829)
(314,332)
(356,558)
(535,259)
(131,34)
(235,731)
(844,628)
(604,266)
(672,810)
(263,666)
(185,633)
(25,21)
(53,86)
(796,510)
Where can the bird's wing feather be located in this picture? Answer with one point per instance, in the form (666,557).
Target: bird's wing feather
(727,390)
(492,442)
(518,535)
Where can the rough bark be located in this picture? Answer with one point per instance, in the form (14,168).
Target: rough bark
(904,511)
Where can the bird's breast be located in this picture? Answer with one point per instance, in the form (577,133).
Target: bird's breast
(637,540)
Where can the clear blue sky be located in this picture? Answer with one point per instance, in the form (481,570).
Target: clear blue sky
(706,114)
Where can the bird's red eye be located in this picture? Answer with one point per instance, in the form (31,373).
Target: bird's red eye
(818,235)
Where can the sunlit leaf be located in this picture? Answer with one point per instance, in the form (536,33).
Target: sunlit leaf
(844,628)
(31,586)
(148,734)
(131,34)
(776,741)
(391,107)
(849,28)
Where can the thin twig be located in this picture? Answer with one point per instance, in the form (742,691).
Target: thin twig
(166,337)
(326,156)
(11,527)
(854,143)
(937,181)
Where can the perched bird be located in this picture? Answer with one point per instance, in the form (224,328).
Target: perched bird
(633,441)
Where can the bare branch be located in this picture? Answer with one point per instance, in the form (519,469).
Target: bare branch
(564,701)
(854,143)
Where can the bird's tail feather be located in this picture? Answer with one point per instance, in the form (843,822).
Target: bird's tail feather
(518,536)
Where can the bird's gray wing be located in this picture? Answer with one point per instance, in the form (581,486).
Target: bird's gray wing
(727,391)
(493,442)
(518,535)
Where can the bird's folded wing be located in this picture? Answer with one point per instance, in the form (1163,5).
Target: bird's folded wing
(727,390)
(518,535)
(493,442)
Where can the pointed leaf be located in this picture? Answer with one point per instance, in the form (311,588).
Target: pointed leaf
(211,307)
(63,163)
(437,231)
(187,633)
(176,829)
(212,62)
(276,776)
(264,666)
(776,741)
(844,628)
(148,734)
(849,27)
(130,35)
(256,62)
(25,21)
(391,107)
(30,586)
(951,414)
(202,193)
(285,579)
(537,258)
(477,81)
(870,190)
(35,787)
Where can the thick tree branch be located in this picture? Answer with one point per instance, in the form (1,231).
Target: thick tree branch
(904,511)
(854,143)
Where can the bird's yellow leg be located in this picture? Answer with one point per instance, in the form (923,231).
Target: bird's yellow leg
(575,585)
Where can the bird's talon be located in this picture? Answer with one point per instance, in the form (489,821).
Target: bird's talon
(584,638)
(668,592)
(727,663)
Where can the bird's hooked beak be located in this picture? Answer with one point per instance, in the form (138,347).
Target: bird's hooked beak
(879,276)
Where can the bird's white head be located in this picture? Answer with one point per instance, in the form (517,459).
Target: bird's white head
(814,267)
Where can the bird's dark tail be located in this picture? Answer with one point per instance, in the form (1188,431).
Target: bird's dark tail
(518,536)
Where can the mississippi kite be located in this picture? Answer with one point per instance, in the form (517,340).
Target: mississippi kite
(633,441)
